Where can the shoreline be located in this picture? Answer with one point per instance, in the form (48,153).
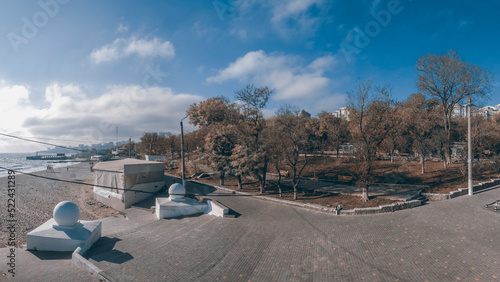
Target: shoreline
(35,198)
(39,169)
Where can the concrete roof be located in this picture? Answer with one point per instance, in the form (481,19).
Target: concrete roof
(119,165)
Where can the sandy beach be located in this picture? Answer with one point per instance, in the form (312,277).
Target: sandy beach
(36,198)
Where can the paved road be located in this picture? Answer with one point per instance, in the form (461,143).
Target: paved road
(444,241)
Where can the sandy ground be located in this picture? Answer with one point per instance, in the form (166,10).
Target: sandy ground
(36,198)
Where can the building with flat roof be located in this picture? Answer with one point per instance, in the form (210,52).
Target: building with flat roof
(122,183)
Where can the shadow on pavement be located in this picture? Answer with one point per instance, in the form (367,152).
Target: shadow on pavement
(103,250)
(46,255)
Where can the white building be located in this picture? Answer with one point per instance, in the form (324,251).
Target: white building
(459,110)
(120,184)
(342,113)
(488,111)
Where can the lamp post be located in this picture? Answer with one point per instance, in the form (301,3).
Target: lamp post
(182,154)
(130,146)
(469,147)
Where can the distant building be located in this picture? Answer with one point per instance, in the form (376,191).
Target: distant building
(488,111)
(459,110)
(304,113)
(342,113)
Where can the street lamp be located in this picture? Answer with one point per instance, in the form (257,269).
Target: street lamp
(129,146)
(469,147)
(182,153)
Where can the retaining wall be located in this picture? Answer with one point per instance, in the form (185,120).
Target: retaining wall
(461,191)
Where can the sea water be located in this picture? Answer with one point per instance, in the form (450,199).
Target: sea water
(18,162)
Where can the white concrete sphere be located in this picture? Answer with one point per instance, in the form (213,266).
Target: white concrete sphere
(66,213)
(176,191)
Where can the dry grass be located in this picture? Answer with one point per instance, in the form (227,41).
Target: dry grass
(313,197)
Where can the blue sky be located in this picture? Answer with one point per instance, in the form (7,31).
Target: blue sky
(75,70)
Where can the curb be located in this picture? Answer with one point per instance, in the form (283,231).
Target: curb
(357,211)
(82,262)
(461,191)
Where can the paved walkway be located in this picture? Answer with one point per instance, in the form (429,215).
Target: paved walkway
(443,241)
(42,266)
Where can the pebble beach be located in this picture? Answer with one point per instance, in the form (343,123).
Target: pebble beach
(36,197)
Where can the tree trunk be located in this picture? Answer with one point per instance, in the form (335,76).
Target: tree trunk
(295,183)
(444,159)
(422,161)
(240,184)
(264,171)
(279,184)
(447,125)
(338,152)
(262,187)
(222,174)
(364,196)
(277,167)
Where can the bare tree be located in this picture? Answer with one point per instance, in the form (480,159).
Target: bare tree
(333,129)
(251,126)
(151,142)
(451,80)
(420,123)
(274,148)
(294,143)
(372,118)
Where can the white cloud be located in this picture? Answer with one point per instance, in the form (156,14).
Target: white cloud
(286,74)
(70,114)
(292,8)
(250,64)
(123,47)
(15,100)
(150,48)
(296,12)
(110,52)
(121,28)
(322,63)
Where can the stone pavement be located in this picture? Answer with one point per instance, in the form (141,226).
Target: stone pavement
(443,241)
(43,266)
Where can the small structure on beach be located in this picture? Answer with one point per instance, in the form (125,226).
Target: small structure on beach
(64,232)
(122,183)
